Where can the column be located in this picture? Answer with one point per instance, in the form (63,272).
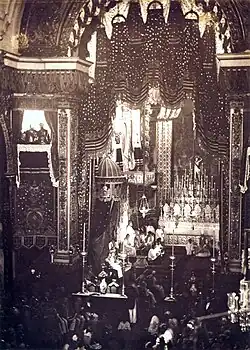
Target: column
(164,156)
(67,211)
(235,197)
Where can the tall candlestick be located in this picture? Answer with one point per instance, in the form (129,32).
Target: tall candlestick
(83,237)
(173,244)
(214,244)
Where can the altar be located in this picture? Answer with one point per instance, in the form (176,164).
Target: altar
(187,230)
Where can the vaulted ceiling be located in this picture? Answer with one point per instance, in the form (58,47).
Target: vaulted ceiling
(46,25)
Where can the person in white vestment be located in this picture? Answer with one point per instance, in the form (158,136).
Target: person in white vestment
(159,233)
(131,232)
(129,249)
(111,259)
(189,247)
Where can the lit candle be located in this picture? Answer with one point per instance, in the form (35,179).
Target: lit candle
(83,237)
(173,244)
(214,244)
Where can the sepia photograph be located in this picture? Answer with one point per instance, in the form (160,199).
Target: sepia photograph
(125,174)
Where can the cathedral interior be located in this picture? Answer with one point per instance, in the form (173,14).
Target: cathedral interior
(123,121)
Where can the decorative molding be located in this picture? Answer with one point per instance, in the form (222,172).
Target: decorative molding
(34,208)
(35,148)
(44,82)
(234,60)
(164,154)
(33,241)
(63,229)
(73,176)
(46,64)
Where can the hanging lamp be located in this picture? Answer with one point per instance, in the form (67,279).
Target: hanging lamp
(143,206)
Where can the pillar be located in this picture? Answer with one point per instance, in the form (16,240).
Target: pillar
(235,198)
(67,211)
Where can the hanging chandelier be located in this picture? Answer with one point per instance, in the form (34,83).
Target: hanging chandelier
(144,206)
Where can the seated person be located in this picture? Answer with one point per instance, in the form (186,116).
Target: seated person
(114,263)
(154,254)
(128,248)
(150,228)
(150,239)
(137,240)
(159,246)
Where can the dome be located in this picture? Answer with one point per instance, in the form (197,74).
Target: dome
(109,171)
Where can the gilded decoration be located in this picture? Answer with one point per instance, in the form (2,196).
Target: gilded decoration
(164,154)
(73,141)
(64,180)
(5,105)
(236,144)
(44,81)
(35,209)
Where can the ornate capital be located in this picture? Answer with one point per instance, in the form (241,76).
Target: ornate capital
(236,104)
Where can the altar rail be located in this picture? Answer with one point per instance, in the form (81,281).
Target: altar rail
(180,239)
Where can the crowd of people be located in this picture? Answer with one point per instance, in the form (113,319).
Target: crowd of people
(37,315)
(54,319)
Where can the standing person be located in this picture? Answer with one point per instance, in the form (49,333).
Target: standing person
(43,135)
(131,232)
(132,294)
(189,247)
(159,234)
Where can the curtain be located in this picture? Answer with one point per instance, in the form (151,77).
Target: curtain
(17,125)
(105,220)
(52,120)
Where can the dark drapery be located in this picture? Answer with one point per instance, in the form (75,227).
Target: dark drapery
(172,57)
(212,124)
(17,124)
(105,219)
(51,118)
